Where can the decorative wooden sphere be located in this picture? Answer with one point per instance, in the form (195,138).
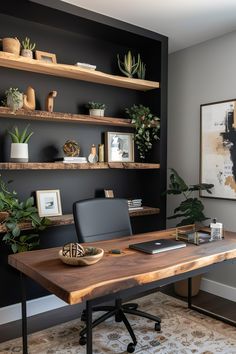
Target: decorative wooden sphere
(71,148)
(73,249)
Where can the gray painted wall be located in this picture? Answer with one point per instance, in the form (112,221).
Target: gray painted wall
(200,74)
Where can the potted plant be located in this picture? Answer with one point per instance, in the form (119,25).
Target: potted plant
(20,212)
(191,211)
(13,99)
(11,45)
(129,66)
(96,109)
(19,145)
(147,128)
(28,47)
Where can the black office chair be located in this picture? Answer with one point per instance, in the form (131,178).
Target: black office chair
(105,219)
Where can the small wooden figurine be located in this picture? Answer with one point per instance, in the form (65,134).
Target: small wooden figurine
(50,101)
(29,99)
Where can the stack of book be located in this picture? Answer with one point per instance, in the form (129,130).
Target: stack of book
(73,159)
(135,204)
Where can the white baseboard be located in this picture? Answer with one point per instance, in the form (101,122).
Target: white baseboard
(219,289)
(34,307)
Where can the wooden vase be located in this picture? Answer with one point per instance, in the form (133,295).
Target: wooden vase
(11,45)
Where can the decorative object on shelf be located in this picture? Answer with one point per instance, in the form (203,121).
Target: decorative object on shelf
(71,148)
(73,249)
(28,47)
(11,45)
(29,99)
(216,230)
(218,148)
(141,72)
(19,145)
(49,202)
(101,153)
(46,57)
(14,99)
(119,147)
(93,157)
(18,212)
(86,66)
(72,159)
(108,193)
(129,66)
(147,128)
(96,109)
(191,209)
(91,256)
(50,101)
(135,204)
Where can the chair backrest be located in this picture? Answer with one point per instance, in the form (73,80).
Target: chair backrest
(101,219)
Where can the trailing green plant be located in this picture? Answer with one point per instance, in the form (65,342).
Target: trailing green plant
(26,44)
(147,128)
(141,71)
(25,211)
(18,137)
(95,105)
(191,208)
(129,66)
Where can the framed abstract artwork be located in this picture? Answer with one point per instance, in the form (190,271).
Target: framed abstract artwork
(119,147)
(49,202)
(218,148)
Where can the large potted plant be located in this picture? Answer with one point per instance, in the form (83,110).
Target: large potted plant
(147,127)
(190,211)
(18,212)
(19,145)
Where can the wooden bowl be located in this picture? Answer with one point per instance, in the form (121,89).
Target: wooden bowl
(84,260)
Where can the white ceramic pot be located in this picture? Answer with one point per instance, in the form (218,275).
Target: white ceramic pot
(19,152)
(96,112)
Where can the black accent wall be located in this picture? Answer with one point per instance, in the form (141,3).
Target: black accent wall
(96,40)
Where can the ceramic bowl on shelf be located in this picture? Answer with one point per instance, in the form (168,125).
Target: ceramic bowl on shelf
(92,256)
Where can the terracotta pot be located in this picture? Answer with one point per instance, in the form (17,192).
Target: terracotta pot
(181,287)
(3,216)
(11,45)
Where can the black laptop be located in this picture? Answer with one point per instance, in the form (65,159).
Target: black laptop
(158,246)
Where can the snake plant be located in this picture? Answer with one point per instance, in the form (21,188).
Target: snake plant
(129,66)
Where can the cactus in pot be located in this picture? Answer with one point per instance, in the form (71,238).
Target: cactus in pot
(129,66)
(14,99)
(28,48)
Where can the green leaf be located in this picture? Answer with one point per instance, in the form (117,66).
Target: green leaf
(16,231)
(29,202)
(14,247)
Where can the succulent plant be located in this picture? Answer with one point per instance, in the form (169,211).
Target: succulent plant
(20,138)
(27,45)
(129,66)
(141,72)
(13,99)
(95,105)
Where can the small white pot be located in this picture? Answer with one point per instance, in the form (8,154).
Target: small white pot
(96,112)
(19,152)
(27,53)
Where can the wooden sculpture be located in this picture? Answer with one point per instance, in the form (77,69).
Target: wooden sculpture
(29,99)
(50,101)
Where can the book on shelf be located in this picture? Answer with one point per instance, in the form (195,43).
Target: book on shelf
(135,208)
(135,204)
(72,159)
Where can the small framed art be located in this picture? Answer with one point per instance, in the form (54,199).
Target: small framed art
(47,57)
(49,202)
(119,147)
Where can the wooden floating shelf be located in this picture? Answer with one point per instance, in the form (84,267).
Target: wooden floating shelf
(64,117)
(69,220)
(77,166)
(12,61)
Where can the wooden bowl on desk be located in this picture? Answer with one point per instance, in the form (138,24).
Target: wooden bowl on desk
(92,256)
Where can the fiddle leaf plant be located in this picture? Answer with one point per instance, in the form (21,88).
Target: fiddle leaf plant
(147,128)
(191,208)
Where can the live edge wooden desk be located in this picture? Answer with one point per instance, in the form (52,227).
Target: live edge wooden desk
(118,275)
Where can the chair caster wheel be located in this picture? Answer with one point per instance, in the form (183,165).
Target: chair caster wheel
(83,316)
(157,327)
(83,340)
(131,348)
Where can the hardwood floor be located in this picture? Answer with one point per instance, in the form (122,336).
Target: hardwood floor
(48,319)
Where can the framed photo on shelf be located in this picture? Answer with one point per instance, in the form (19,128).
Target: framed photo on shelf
(49,202)
(47,57)
(108,193)
(119,147)
(218,148)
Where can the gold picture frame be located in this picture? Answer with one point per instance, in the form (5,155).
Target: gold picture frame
(49,202)
(46,57)
(119,147)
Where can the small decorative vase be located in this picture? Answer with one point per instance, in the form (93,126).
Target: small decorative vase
(96,112)
(13,104)
(27,53)
(19,152)
(11,45)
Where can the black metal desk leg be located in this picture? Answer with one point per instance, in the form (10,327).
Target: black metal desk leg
(89,327)
(24,314)
(189,293)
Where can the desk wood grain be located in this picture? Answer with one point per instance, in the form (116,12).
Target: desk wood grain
(118,272)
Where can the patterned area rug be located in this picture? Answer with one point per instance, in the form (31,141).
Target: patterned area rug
(183,332)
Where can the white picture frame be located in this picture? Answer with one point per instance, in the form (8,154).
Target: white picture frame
(49,203)
(119,147)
